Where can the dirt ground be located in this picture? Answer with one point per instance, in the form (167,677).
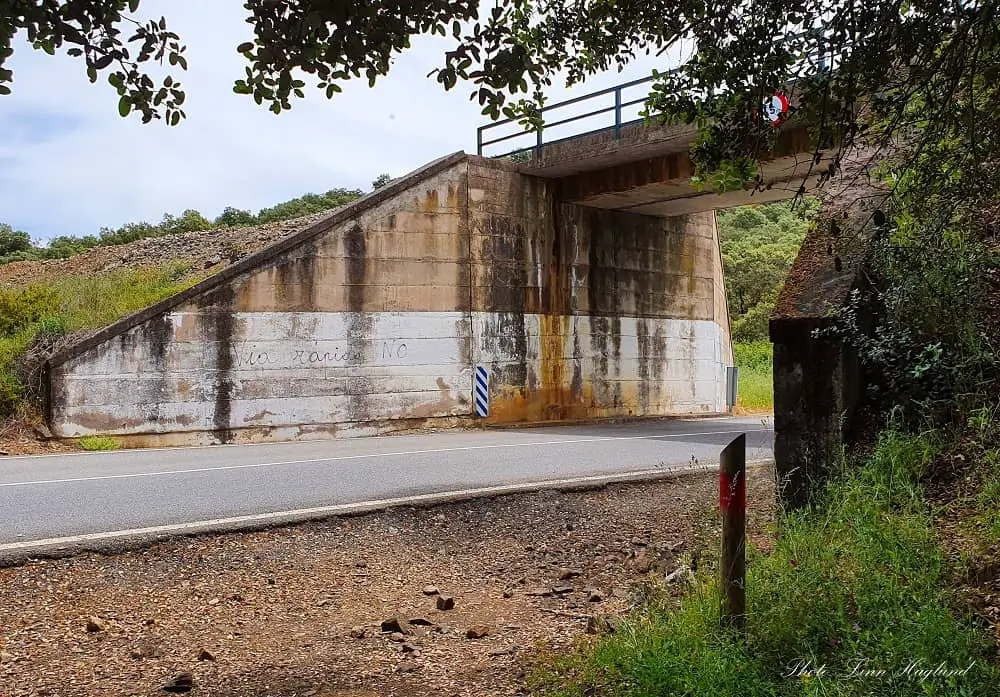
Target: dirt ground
(17,437)
(299,610)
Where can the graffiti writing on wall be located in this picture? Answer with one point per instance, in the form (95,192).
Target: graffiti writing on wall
(374,352)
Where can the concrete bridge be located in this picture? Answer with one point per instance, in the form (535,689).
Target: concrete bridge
(585,282)
(599,153)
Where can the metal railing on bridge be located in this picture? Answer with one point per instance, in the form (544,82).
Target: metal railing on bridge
(620,108)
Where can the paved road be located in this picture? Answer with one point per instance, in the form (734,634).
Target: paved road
(58,496)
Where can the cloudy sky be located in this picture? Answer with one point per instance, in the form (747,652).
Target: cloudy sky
(70,165)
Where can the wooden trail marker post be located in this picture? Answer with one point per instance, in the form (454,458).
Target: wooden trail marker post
(733,506)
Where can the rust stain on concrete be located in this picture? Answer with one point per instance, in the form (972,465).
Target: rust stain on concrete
(479,241)
(258,416)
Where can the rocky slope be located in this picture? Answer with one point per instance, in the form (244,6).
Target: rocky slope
(203,250)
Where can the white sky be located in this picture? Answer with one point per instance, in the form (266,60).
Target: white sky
(70,165)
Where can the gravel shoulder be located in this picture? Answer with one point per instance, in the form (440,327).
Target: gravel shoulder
(299,610)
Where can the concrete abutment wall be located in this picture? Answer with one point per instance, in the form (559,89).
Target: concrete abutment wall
(375,318)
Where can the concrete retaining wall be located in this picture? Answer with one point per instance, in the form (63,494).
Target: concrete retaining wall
(375,318)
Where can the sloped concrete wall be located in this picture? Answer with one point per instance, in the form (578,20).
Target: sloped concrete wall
(361,321)
(375,318)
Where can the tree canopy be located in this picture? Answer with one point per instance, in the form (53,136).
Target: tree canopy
(759,244)
(879,72)
(902,63)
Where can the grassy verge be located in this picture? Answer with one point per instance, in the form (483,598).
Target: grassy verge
(96,443)
(72,304)
(851,600)
(756,384)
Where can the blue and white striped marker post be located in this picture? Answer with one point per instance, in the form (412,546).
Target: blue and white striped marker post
(481,392)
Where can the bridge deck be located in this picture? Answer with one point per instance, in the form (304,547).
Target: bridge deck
(603,154)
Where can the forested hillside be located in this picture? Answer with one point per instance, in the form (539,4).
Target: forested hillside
(759,244)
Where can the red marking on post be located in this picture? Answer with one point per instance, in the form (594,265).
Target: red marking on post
(732,492)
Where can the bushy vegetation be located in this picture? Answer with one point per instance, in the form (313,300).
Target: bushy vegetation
(759,244)
(933,348)
(98,443)
(76,303)
(16,245)
(755,391)
(856,583)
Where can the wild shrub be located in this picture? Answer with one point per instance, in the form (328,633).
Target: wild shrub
(34,318)
(930,353)
(855,583)
(10,391)
(22,307)
(95,443)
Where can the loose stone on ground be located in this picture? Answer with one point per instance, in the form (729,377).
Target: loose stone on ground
(291,620)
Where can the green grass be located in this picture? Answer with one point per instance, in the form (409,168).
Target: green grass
(858,580)
(71,304)
(94,443)
(756,385)
(89,302)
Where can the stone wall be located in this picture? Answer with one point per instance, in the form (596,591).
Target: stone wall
(818,382)
(374,319)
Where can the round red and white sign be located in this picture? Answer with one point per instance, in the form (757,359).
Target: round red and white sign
(775,108)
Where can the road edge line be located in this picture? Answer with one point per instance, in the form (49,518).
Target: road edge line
(16,553)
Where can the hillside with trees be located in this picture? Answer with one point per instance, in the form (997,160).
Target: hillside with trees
(16,245)
(759,244)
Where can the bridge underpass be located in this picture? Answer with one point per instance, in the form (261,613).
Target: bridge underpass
(583,283)
(598,151)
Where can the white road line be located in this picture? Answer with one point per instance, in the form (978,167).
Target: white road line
(284,443)
(256,465)
(302,514)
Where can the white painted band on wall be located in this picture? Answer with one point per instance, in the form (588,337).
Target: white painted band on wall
(294,369)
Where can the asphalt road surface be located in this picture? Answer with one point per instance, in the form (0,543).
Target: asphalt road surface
(126,492)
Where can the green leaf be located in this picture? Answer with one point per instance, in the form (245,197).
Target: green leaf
(124,106)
